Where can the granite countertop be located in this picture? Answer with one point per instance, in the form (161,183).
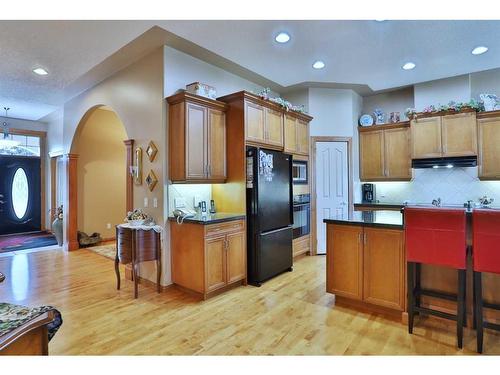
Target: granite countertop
(379,218)
(218,217)
(379,205)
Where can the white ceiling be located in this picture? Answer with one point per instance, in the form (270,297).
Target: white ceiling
(355,52)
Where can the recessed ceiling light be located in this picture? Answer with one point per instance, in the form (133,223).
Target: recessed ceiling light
(40,71)
(318,64)
(479,50)
(409,66)
(282,37)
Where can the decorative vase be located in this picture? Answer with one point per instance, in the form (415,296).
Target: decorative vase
(57,228)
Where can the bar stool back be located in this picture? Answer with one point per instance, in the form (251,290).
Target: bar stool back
(485,258)
(435,236)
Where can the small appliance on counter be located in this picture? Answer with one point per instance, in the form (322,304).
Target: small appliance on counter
(368,193)
(269,214)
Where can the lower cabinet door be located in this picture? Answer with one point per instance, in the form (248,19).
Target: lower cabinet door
(344,261)
(236,257)
(215,263)
(384,260)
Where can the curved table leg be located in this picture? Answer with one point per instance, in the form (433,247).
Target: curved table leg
(117,271)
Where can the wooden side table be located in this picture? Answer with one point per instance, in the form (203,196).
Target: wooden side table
(136,245)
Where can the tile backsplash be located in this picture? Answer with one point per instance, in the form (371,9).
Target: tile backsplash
(453,186)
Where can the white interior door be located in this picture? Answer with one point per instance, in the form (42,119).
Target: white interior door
(332,186)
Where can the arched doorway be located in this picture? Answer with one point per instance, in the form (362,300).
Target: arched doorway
(99,185)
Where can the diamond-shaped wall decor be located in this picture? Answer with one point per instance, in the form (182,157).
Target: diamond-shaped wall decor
(151,180)
(151,151)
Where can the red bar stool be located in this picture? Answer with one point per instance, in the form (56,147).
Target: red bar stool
(485,258)
(435,236)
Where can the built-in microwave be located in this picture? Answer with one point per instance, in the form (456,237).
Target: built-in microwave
(299,172)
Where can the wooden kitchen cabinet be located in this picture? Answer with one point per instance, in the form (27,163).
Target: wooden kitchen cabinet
(371,149)
(426,138)
(384,153)
(459,134)
(397,161)
(383,271)
(488,125)
(255,123)
(197,139)
(208,257)
(450,135)
(263,125)
(296,135)
(274,127)
(344,261)
(268,125)
(366,264)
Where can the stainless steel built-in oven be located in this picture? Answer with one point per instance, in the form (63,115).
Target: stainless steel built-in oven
(299,172)
(301,215)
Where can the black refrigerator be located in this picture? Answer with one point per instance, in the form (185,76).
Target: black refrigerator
(269,214)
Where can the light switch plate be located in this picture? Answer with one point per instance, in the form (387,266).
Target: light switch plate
(155,202)
(146,201)
(108,225)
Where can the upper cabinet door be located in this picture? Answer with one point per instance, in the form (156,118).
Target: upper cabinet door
(489,139)
(196,135)
(274,127)
(372,155)
(302,137)
(254,118)
(216,145)
(290,134)
(397,153)
(459,134)
(426,137)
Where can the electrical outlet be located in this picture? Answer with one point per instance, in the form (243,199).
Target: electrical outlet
(155,202)
(108,225)
(180,203)
(146,201)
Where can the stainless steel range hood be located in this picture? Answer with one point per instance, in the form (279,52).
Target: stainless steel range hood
(455,162)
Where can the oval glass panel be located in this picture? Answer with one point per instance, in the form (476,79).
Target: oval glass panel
(20,193)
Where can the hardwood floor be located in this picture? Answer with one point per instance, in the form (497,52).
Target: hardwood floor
(290,314)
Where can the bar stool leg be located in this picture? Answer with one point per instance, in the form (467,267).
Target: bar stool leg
(410,286)
(418,272)
(460,307)
(478,307)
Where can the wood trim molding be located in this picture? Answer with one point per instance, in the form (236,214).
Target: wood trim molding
(129,180)
(312,174)
(245,95)
(397,125)
(71,208)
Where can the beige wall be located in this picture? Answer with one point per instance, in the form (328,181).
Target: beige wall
(101,173)
(136,95)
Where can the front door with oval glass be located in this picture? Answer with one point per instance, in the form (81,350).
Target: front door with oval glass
(20,198)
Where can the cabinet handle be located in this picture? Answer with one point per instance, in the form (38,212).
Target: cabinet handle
(359,238)
(364,239)
(209,170)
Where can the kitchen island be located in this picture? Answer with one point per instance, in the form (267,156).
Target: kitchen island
(365,260)
(366,266)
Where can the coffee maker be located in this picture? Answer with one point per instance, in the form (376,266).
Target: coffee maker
(368,193)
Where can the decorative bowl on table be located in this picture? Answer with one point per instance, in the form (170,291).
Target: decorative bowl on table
(137,217)
(136,223)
